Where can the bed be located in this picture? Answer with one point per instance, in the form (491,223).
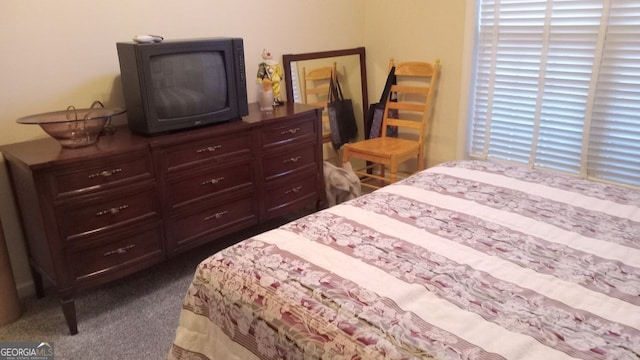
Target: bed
(465,260)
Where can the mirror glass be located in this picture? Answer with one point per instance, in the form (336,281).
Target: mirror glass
(350,69)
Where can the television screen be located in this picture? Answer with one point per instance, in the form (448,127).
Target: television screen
(186,84)
(180,84)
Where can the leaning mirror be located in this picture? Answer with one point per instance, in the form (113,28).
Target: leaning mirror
(350,69)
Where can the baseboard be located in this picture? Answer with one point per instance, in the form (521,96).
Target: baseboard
(25,289)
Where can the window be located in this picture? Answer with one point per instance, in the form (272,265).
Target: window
(557,86)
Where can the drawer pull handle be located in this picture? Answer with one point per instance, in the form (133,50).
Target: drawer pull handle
(112,211)
(217,215)
(121,250)
(212,181)
(290,131)
(293,159)
(105,173)
(293,190)
(209,149)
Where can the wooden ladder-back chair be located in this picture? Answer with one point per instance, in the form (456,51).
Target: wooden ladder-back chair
(315,91)
(407,109)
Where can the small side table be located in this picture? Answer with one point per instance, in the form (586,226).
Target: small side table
(11,309)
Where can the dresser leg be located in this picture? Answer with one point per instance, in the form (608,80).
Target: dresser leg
(69,311)
(38,283)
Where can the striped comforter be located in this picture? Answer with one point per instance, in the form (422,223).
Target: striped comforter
(466,260)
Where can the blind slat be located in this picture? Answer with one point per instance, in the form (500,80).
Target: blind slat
(559,87)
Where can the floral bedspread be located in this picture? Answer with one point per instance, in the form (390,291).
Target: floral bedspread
(466,260)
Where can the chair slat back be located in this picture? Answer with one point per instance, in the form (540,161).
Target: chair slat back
(411,97)
(315,84)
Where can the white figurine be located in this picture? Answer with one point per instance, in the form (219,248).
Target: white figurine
(271,70)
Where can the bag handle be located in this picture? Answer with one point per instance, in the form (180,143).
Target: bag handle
(330,94)
(391,80)
(337,85)
(335,91)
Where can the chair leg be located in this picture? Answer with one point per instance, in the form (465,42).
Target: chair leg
(345,155)
(393,177)
(334,156)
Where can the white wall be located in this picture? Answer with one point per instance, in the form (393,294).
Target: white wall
(60,53)
(421,30)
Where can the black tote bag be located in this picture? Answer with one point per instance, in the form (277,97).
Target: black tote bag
(342,120)
(376,111)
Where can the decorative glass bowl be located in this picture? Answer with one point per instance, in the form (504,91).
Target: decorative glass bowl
(73,127)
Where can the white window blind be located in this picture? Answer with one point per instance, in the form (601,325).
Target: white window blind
(557,86)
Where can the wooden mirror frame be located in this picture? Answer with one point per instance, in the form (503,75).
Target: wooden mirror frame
(289,58)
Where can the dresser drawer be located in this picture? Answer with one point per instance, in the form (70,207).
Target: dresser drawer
(123,250)
(100,174)
(298,129)
(210,182)
(296,160)
(213,221)
(235,145)
(291,193)
(107,210)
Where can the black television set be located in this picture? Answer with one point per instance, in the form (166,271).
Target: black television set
(179,84)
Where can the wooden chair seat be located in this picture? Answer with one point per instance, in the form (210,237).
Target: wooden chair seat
(384,148)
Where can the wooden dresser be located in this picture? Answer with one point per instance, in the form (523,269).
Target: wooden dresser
(95,214)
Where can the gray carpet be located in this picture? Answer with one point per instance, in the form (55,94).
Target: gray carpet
(132,318)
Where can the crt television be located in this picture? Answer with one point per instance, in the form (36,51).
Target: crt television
(181,84)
